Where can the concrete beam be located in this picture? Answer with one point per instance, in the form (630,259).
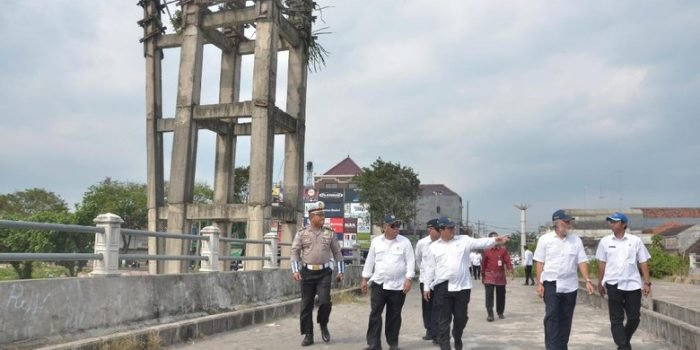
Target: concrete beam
(289,33)
(229,18)
(285,121)
(169,41)
(232,212)
(223,110)
(218,39)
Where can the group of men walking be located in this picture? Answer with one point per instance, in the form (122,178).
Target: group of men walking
(445,261)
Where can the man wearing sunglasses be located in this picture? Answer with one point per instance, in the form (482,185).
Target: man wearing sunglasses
(389,268)
(447,274)
(618,255)
(557,256)
(310,259)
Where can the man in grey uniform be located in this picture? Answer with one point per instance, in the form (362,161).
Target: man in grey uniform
(310,260)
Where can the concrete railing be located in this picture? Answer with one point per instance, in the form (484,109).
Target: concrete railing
(693,259)
(108,230)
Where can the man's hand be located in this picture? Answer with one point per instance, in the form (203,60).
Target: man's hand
(340,277)
(502,239)
(363,286)
(601,289)
(540,290)
(426,295)
(589,287)
(296,276)
(406,286)
(646,290)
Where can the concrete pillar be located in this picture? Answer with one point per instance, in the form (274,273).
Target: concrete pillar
(294,142)
(210,249)
(262,123)
(272,261)
(356,255)
(107,244)
(154,138)
(184,151)
(693,261)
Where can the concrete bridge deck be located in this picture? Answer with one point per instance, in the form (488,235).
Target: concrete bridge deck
(521,329)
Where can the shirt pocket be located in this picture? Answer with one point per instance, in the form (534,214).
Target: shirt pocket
(631,255)
(307,241)
(380,254)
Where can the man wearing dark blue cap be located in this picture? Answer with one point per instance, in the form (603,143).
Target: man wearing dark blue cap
(557,256)
(430,312)
(618,255)
(447,275)
(389,268)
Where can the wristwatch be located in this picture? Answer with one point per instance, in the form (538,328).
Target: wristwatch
(648,283)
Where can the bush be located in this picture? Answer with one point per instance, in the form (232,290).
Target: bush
(663,264)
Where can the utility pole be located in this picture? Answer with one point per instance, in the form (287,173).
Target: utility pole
(523,225)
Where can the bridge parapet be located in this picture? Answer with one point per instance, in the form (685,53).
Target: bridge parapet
(57,310)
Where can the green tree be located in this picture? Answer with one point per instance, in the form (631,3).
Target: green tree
(389,188)
(126,199)
(514,245)
(37,205)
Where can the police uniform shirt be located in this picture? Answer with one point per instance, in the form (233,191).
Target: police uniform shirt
(449,261)
(620,257)
(390,262)
(421,252)
(311,246)
(560,258)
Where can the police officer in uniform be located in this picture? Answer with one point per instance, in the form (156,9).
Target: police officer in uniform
(310,259)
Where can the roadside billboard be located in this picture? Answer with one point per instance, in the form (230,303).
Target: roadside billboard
(328,195)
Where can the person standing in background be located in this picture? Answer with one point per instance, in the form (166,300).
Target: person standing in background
(527,261)
(495,262)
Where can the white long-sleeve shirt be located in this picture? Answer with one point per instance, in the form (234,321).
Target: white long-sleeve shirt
(390,262)
(560,258)
(449,261)
(421,252)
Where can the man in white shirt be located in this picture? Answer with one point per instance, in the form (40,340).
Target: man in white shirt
(557,255)
(389,268)
(528,266)
(430,312)
(618,255)
(446,268)
(476,264)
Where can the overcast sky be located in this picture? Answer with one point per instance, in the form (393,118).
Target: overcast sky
(557,104)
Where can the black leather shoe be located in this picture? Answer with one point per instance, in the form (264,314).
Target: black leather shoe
(325,335)
(394,347)
(501,316)
(372,348)
(489,318)
(308,340)
(427,336)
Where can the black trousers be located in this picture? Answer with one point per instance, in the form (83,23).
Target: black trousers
(477,272)
(500,298)
(621,303)
(312,283)
(431,313)
(558,315)
(393,300)
(528,274)
(451,304)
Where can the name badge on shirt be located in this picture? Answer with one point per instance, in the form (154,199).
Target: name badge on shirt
(396,249)
(611,246)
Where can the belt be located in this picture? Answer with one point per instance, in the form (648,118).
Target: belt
(318,267)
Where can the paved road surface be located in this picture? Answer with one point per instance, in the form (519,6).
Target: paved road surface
(521,329)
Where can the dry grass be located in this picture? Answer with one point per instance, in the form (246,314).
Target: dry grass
(149,342)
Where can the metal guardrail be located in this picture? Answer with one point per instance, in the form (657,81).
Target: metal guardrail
(108,231)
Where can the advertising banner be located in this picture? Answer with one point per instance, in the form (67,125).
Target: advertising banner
(331,195)
(364,225)
(340,239)
(364,240)
(334,210)
(350,225)
(310,194)
(337,225)
(359,209)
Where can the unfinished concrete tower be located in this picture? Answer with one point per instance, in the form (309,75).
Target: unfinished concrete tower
(221,23)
